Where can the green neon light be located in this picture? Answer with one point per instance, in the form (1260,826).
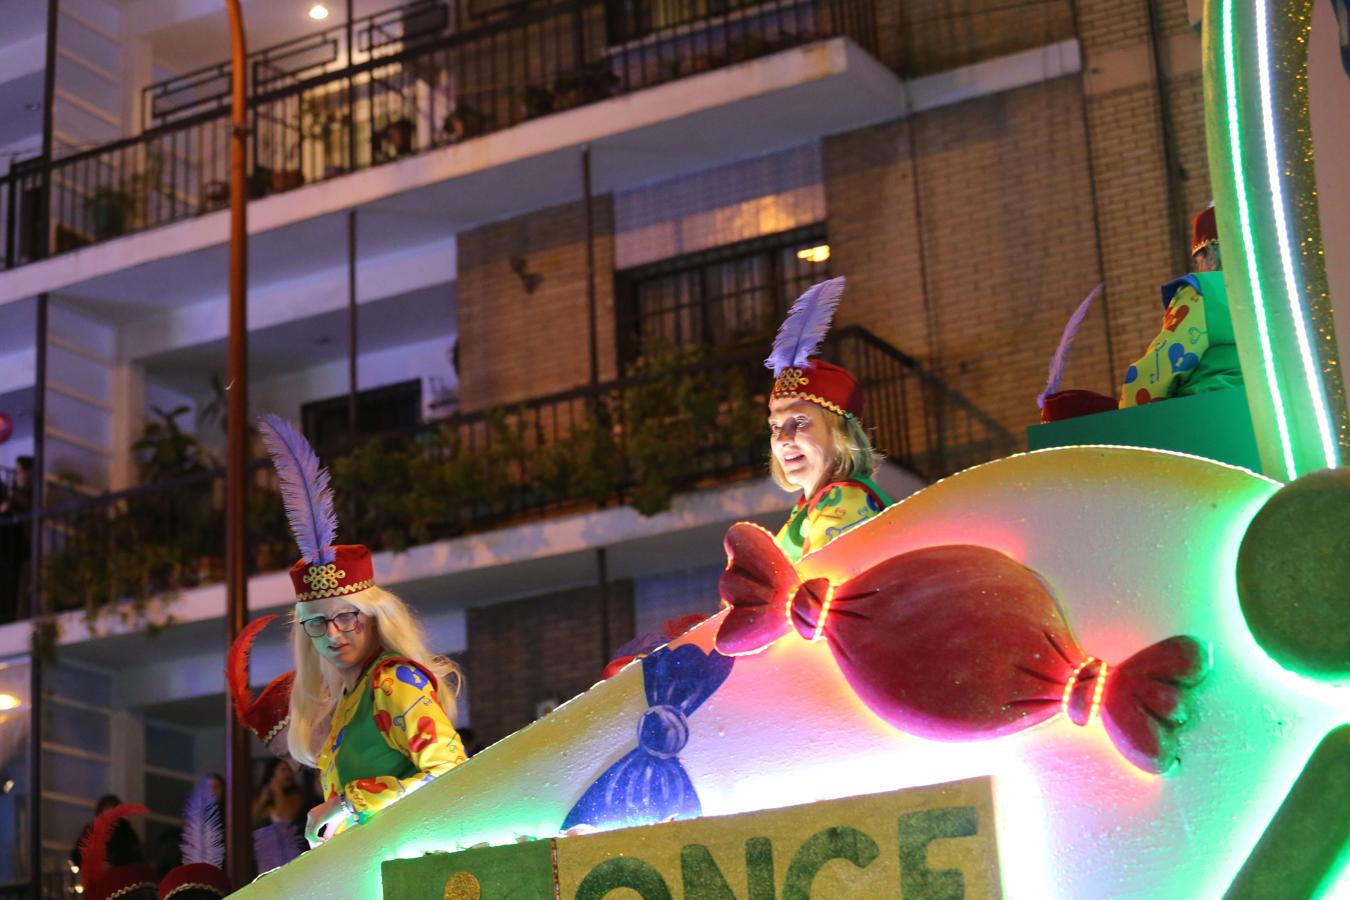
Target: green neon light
(1248,241)
(1297,307)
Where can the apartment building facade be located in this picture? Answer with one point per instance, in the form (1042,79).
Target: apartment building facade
(510,269)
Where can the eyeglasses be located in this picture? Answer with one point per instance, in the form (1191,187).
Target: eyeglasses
(317,626)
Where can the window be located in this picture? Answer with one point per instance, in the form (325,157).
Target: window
(377,410)
(724,297)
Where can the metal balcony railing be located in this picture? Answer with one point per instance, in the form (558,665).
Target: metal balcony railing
(405,92)
(678,424)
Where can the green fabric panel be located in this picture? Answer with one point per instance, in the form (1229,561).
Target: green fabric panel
(1216,425)
(1219,368)
(1309,837)
(364,752)
(509,872)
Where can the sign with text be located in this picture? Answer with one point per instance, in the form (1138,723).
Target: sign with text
(930,842)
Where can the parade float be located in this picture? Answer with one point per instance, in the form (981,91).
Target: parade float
(1084,671)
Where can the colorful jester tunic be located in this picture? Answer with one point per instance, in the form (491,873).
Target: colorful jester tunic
(834,509)
(1195,351)
(389,736)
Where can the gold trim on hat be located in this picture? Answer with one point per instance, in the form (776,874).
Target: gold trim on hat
(816,399)
(276,729)
(789,380)
(196,886)
(353,588)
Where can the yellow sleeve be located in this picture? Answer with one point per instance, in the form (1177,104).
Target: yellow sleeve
(840,508)
(412,721)
(1172,355)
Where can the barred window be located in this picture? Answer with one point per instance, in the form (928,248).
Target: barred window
(724,297)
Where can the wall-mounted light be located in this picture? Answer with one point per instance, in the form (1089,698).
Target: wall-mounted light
(8,701)
(318,11)
(817,254)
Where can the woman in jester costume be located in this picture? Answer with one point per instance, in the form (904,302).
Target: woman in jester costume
(815,431)
(1196,350)
(371,707)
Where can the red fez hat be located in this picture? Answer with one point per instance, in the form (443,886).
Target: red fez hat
(350,571)
(101,882)
(1204,230)
(1063,405)
(198,877)
(823,384)
(120,881)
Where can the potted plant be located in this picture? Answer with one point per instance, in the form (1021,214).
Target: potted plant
(109,210)
(536,101)
(466,122)
(593,82)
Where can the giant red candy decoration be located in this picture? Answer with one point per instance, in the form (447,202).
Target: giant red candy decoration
(959,643)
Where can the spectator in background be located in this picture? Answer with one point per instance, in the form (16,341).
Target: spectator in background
(124,847)
(280,798)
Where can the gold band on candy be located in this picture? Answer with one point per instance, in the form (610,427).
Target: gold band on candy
(824,614)
(353,588)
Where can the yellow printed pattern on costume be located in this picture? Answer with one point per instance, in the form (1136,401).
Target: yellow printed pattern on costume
(1172,356)
(836,509)
(410,721)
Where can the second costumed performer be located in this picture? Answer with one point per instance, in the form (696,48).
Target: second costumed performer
(815,431)
(371,707)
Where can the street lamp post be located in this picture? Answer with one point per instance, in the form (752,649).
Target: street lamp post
(237,853)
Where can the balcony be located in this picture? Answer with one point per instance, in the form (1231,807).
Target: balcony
(679,424)
(311,120)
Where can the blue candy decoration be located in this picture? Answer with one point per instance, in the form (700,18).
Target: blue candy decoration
(649,783)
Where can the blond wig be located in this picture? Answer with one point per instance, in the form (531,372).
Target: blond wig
(318,683)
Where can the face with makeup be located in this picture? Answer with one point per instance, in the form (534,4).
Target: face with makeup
(340,632)
(799,437)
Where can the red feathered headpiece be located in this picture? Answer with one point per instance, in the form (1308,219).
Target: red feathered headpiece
(93,849)
(268,715)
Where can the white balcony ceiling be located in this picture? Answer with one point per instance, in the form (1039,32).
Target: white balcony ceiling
(696,123)
(315,340)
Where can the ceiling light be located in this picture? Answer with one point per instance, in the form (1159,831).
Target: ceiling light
(815,254)
(318,11)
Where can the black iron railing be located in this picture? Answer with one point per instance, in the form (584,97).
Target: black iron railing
(311,120)
(678,424)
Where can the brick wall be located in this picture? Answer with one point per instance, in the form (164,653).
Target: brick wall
(1005,206)
(969,256)
(529,650)
(1006,200)
(919,37)
(514,344)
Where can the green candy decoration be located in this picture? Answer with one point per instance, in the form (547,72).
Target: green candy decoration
(1293,575)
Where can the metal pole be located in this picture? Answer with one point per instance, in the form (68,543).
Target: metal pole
(351,92)
(351,327)
(590,266)
(35,598)
(237,857)
(44,229)
(602,575)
